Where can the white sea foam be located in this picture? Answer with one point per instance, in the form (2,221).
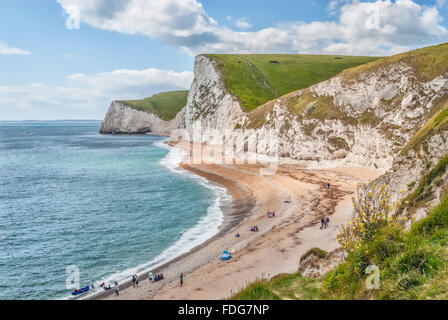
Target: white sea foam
(206,228)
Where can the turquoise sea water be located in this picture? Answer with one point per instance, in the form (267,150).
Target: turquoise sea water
(111,205)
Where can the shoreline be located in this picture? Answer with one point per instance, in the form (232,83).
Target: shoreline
(234,210)
(298,195)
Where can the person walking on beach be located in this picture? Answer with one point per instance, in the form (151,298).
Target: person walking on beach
(322,223)
(181,278)
(133,280)
(136,281)
(327,221)
(329,186)
(117,288)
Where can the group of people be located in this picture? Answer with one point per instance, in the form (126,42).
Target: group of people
(270,214)
(324,223)
(254,228)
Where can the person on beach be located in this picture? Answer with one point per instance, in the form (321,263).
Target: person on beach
(136,281)
(327,221)
(117,288)
(150,276)
(322,223)
(181,279)
(329,186)
(133,280)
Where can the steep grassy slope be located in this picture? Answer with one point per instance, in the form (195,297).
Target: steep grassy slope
(323,101)
(257,78)
(438,123)
(166,104)
(413,265)
(428,62)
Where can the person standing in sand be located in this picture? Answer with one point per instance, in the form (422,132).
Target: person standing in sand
(322,223)
(181,278)
(327,221)
(117,288)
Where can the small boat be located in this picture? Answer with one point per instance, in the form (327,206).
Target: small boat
(76,292)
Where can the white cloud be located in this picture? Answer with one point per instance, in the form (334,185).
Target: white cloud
(5,49)
(130,82)
(440,3)
(403,24)
(243,23)
(86,96)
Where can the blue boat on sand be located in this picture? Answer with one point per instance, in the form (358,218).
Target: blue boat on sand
(76,292)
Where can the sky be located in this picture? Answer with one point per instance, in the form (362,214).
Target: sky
(68,59)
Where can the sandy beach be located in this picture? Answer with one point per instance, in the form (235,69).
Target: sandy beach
(299,197)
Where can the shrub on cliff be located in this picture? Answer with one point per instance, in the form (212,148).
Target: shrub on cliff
(373,209)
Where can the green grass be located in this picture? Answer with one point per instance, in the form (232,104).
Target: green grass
(258,78)
(413,265)
(282,287)
(314,251)
(166,104)
(427,62)
(438,123)
(423,191)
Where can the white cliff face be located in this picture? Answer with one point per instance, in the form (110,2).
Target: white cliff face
(208,100)
(410,168)
(123,119)
(392,95)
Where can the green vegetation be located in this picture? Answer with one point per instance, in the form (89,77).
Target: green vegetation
(436,124)
(258,78)
(166,104)
(413,265)
(314,251)
(423,191)
(428,63)
(286,286)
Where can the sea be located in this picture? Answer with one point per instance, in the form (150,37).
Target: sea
(79,208)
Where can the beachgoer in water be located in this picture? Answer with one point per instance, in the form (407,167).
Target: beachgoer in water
(322,223)
(181,278)
(117,288)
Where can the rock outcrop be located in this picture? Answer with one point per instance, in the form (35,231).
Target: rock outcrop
(123,119)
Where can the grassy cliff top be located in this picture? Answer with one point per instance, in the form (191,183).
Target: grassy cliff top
(165,104)
(258,78)
(428,62)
